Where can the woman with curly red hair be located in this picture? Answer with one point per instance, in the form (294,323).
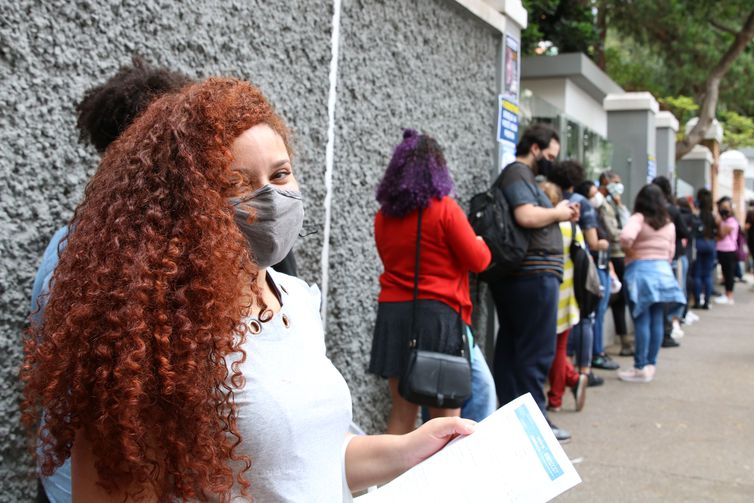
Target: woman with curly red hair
(172,362)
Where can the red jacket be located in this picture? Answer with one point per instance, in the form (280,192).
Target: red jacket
(449,251)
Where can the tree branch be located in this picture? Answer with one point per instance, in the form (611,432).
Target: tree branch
(720,26)
(712,88)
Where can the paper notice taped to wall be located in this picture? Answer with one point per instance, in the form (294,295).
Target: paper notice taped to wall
(512,456)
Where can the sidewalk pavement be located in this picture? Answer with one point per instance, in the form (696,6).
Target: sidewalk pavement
(688,435)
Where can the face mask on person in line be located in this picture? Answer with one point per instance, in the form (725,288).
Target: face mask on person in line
(597,200)
(277,222)
(615,189)
(725,213)
(544,166)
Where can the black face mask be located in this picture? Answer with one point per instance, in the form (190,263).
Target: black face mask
(725,213)
(544,166)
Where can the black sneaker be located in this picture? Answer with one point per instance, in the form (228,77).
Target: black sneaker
(579,391)
(563,436)
(594,380)
(669,342)
(604,362)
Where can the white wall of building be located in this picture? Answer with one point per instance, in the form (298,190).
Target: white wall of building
(585,109)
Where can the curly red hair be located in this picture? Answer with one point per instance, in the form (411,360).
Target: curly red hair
(146,304)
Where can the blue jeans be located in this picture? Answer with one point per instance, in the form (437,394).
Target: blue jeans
(649,327)
(580,342)
(705,262)
(683,263)
(483,401)
(598,345)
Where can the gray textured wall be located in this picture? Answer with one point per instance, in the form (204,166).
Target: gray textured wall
(429,66)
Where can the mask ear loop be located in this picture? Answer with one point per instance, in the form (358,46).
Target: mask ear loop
(305,233)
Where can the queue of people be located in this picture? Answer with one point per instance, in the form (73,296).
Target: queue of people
(642,260)
(171,358)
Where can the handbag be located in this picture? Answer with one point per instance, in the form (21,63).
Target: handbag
(433,378)
(587,287)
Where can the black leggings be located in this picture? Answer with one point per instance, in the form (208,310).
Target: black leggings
(728,265)
(619,302)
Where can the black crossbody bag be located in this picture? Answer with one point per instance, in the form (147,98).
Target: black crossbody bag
(431,378)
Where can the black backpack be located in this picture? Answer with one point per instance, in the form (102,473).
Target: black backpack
(491,217)
(586,282)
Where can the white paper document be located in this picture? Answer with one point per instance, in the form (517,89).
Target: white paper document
(511,457)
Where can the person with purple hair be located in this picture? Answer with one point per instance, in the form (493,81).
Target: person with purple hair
(417,180)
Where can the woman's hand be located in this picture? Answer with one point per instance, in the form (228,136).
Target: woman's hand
(433,436)
(378,459)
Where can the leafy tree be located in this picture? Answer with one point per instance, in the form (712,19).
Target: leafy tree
(700,43)
(738,130)
(700,49)
(564,25)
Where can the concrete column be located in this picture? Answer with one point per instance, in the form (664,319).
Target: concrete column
(631,123)
(712,139)
(666,127)
(739,193)
(693,171)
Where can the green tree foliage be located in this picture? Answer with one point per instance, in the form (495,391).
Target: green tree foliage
(684,39)
(738,130)
(666,47)
(567,26)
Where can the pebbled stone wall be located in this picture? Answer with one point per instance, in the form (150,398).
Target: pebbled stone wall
(425,64)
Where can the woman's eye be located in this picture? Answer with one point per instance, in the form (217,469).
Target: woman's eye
(281,175)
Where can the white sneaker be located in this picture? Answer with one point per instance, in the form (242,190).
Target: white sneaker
(650,371)
(636,375)
(676,333)
(721,299)
(691,317)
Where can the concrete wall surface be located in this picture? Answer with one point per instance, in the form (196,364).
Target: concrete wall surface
(426,64)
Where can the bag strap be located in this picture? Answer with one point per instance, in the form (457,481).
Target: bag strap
(415,341)
(573,238)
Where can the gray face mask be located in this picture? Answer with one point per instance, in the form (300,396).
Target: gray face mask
(278,218)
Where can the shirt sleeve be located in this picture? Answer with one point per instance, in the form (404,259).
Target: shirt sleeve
(378,234)
(587,215)
(611,225)
(517,186)
(47,266)
(472,253)
(631,230)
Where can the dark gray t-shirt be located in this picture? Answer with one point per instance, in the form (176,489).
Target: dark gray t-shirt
(520,188)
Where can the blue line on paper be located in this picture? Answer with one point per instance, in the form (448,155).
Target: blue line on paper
(546,457)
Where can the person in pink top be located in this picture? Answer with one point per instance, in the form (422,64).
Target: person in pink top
(648,239)
(727,244)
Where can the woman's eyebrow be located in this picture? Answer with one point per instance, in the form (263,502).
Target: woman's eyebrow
(281,162)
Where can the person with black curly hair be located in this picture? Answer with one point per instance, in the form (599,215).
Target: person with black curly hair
(105,111)
(567,175)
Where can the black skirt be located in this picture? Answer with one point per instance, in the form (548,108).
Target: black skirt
(438,327)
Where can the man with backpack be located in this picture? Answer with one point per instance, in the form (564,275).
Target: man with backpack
(526,292)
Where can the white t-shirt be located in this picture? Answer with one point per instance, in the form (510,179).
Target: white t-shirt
(295,408)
